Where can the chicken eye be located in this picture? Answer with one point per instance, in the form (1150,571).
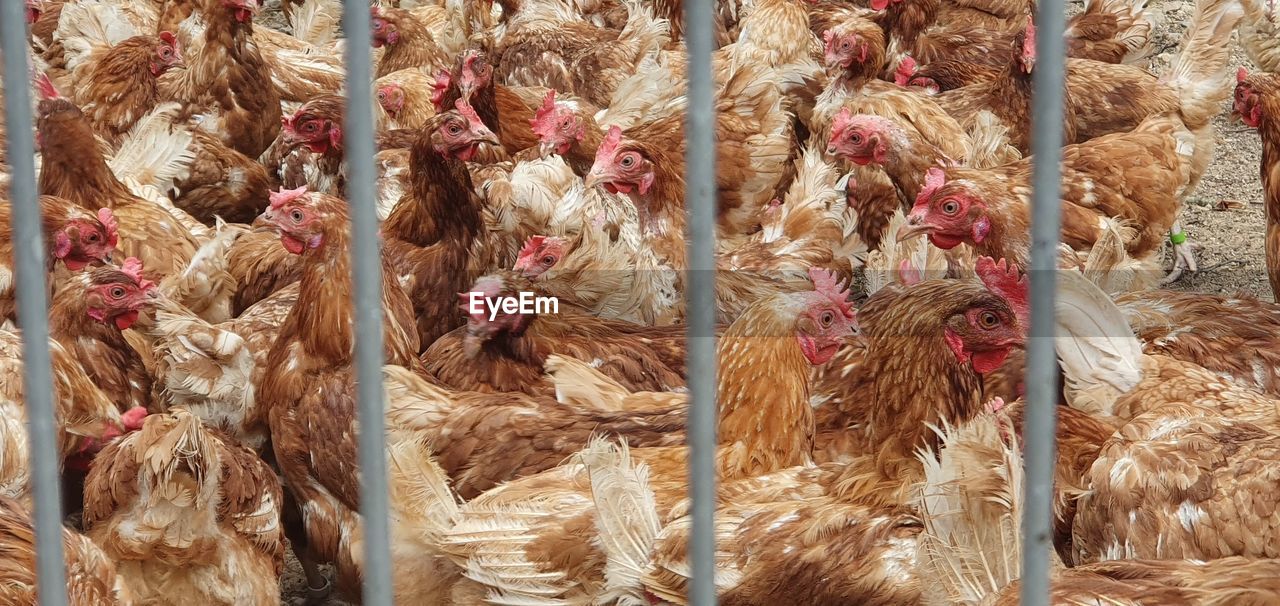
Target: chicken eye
(117,293)
(377,25)
(566,122)
(950,207)
(91,237)
(855,138)
(827,318)
(382,95)
(844,45)
(988,320)
(296,215)
(549,260)
(310,127)
(454,129)
(165,52)
(628,161)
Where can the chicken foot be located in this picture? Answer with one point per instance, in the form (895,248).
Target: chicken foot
(1184,256)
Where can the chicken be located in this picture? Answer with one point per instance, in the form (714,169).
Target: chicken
(220,183)
(404,99)
(562,52)
(408,42)
(501,351)
(227,77)
(117,85)
(1257,103)
(91,575)
(1136,178)
(647,161)
(1184,424)
(86,417)
(88,316)
(805,328)
(435,231)
(309,384)
(185,511)
(501,108)
(80,174)
(73,235)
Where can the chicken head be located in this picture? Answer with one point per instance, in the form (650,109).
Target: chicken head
(949,212)
(316,125)
(300,224)
(85,239)
(385,33)
(557,126)
(116,295)
(620,166)
(539,254)
(986,329)
(861,138)
(243,10)
(827,318)
(167,54)
(1247,104)
(459,133)
(490,320)
(391,98)
(476,73)
(841,49)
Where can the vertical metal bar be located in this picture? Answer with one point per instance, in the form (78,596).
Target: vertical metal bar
(33,309)
(700,300)
(366,268)
(1042,362)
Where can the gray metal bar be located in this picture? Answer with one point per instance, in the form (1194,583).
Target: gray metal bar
(366,269)
(700,298)
(1042,360)
(33,309)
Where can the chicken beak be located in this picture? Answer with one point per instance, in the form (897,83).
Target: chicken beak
(593,179)
(545,149)
(912,228)
(487,136)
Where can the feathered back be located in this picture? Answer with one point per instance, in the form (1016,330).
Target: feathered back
(1101,358)
(971,505)
(1200,72)
(89,27)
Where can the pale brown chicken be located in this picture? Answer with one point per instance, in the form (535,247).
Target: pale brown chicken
(183,510)
(74,169)
(91,574)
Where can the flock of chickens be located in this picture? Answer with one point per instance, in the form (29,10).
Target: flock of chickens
(873,215)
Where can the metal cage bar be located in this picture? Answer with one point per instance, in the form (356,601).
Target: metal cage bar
(1042,361)
(366,269)
(33,309)
(700,298)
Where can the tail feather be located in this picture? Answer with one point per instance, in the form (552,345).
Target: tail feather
(1136,25)
(971,505)
(626,518)
(1100,356)
(645,31)
(206,285)
(1260,35)
(1199,73)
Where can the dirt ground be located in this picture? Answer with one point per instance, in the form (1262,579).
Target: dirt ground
(1224,218)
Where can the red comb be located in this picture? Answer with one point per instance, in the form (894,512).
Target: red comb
(610,143)
(132,267)
(108,220)
(827,37)
(1004,279)
(531,245)
(168,38)
(826,283)
(468,112)
(279,198)
(933,179)
(841,123)
(542,122)
(1241,74)
(439,88)
(1029,43)
(44,86)
(906,69)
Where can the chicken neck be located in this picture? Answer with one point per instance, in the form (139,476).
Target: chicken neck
(765,420)
(582,154)
(73,165)
(907,380)
(1269,130)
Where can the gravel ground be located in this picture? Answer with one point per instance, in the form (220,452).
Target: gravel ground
(1224,218)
